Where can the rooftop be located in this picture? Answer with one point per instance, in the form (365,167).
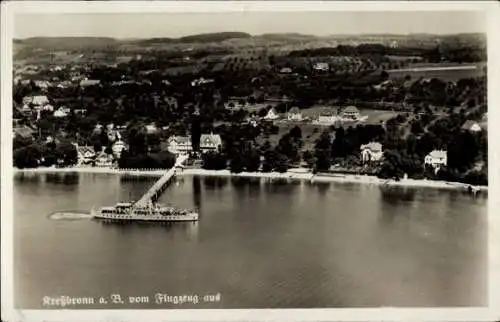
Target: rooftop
(438,154)
(372,146)
(351,109)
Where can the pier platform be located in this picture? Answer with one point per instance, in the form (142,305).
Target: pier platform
(159,186)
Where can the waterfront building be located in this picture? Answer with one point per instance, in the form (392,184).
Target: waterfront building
(179,145)
(210,142)
(86,154)
(436,159)
(183,145)
(118,148)
(371,152)
(294,114)
(104,160)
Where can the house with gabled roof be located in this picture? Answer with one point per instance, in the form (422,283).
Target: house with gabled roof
(183,145)
(371,152)
(179,144)
(210,142)
(86,154)
(436,159)
(350,113)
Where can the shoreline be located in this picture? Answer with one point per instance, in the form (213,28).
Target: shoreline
(290,175)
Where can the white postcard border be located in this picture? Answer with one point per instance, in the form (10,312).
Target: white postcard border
(405,314)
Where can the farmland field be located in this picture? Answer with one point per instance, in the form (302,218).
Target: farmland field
(439,71)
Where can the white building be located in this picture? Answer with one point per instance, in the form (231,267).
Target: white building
(62,112)
(285,70)
(294,114)
(321,66)
(350,113)
(118,148)
(371,152)
(179,145)
(183,145)
(38,100)
(436,158)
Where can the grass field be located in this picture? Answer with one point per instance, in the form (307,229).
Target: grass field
(427,71)
(311,132)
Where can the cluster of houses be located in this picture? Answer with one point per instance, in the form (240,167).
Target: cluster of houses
(88,156)
(372,152)
(325,117)
(40,103)
(182,145)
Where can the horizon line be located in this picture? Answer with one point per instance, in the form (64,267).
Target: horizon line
(265,34)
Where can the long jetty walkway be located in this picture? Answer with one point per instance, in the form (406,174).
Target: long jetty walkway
(160,185)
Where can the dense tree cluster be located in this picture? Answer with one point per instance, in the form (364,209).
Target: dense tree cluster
(44,154)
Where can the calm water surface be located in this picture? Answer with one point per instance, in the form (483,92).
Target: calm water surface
(258,244)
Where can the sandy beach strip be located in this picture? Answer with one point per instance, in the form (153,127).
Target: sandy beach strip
(291,175)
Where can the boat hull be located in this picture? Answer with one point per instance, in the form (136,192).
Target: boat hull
(150,217)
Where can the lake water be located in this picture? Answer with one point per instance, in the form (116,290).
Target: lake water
(257,244)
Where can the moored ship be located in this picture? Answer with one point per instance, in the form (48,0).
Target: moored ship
(127,211)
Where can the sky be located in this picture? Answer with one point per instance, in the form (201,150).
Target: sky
(148,25)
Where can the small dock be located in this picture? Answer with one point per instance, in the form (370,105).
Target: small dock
(159,186)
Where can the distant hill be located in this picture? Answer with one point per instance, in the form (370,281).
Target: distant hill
(36,46)
(287,37)
(66,42)
(214,37)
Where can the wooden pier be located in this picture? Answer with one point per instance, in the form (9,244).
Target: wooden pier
(159,186)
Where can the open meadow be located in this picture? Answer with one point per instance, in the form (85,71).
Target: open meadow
(443,71)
